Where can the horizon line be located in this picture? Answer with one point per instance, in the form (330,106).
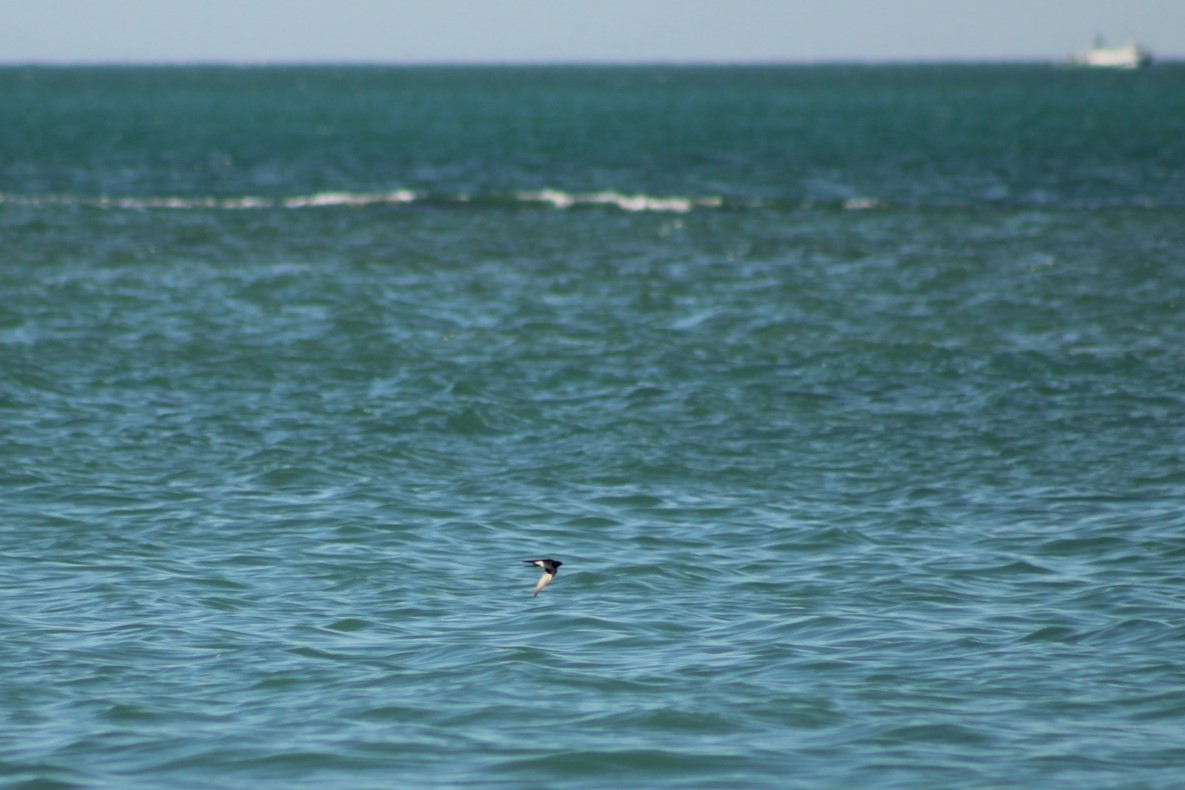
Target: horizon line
(547,62)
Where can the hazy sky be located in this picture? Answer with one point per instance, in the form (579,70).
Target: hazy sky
(466,31)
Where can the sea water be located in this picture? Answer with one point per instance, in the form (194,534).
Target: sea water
(852,399)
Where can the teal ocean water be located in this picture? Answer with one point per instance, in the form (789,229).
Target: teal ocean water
(852,399)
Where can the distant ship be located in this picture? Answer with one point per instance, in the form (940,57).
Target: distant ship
(1131,56)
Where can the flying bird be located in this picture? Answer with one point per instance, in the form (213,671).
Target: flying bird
(549,568)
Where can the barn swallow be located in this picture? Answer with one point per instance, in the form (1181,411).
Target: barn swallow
(549,568)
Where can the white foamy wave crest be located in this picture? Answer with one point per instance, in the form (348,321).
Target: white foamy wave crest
(560,199)
(316,200)
(142,203)
(549,197)
(321,199)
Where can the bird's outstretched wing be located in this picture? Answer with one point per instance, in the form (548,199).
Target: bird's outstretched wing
(544,580)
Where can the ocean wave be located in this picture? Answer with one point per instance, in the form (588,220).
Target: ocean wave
(323,199)
(678,205)
(143,203)
(632,202)
(548,197)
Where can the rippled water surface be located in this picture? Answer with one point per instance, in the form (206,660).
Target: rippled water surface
(852,401)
